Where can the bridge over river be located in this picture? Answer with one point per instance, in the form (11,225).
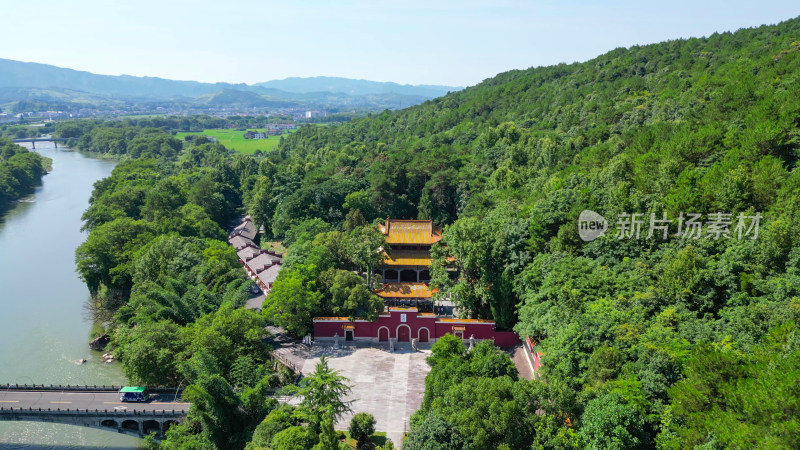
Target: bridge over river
(93,406)
(33,141)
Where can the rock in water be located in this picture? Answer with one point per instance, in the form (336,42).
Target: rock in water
(99,343)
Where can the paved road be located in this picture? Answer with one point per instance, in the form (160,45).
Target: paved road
(521,361)
(85,400)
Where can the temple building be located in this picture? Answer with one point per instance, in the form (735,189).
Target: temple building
(408,306)
(404,324)
(405,269)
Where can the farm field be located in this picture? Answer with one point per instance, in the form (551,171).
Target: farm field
(234,140)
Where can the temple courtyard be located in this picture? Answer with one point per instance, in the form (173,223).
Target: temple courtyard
(388,385)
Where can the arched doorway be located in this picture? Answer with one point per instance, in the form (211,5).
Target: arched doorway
(403,333)
(424,275)
(424,335)
(383,334)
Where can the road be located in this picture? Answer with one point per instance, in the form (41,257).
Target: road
(86,400)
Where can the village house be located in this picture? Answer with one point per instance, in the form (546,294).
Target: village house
(246,229)
(277,127)
(261,265)
(255,135)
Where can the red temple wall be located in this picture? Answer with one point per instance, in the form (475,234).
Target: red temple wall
(415,322)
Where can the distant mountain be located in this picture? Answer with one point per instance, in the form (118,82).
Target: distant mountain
(44,76)
(20,81)
(11,94)
(246,99)
(356,87)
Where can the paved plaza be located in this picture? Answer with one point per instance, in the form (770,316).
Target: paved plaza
(388,385)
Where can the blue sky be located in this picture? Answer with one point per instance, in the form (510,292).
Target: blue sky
(419,42)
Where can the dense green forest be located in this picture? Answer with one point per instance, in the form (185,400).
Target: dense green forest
(646,341)
(20,171)
(170,124)
(160,271)
(163,277)
(21,131)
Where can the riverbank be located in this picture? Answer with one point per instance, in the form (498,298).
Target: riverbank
(44,331)
(93,155)
(21,172)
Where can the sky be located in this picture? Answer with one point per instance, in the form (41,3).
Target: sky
(454,43)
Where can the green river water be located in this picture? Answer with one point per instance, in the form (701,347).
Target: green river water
(43,325)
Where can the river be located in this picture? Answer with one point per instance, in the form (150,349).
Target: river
(43,327)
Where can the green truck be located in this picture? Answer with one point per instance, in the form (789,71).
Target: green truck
(133,394)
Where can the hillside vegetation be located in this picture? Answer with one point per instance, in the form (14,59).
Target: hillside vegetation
(645,342)
(20,171)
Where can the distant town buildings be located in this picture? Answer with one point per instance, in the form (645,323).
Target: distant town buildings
(315,114)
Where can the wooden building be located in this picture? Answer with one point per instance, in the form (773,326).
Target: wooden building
(405,270)
(261,265)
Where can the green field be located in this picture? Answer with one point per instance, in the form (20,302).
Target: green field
(234,140)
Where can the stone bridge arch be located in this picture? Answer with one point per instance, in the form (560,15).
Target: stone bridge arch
(151,426)
(167,425)
(131,425)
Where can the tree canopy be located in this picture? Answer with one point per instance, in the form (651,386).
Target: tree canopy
(20,171)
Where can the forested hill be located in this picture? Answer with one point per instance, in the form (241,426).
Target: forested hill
(646,341)
(684,103)
(355,87)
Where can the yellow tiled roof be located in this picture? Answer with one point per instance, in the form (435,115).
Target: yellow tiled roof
(410,232)
(408,258)
(404,290)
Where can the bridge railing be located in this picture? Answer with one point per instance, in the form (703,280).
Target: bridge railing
(84,388)
(40,139)
(95,412)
